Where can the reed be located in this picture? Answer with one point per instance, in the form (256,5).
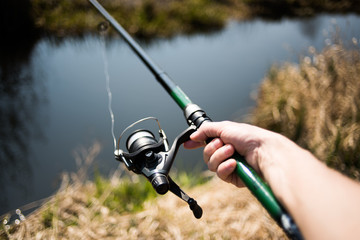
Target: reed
(316,103)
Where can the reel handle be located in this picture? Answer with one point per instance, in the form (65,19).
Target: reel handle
(194,207)
(180,139)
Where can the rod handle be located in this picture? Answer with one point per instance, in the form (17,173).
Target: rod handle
(256,185)
(266,197)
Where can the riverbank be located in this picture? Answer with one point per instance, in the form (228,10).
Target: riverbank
(73,214)
(150,18)
(123,207)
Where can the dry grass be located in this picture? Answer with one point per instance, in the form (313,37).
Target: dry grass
(75,212)
(317,104)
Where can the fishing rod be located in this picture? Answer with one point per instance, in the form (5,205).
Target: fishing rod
(153,158)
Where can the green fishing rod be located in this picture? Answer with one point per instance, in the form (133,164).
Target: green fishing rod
(142,145)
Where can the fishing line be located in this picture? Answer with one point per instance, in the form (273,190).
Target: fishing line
(102,28)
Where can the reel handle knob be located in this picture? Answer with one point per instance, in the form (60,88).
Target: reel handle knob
(195,208)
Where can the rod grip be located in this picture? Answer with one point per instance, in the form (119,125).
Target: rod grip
(265,196)
(256,185)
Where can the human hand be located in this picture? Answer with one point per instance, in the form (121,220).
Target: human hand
(257,145)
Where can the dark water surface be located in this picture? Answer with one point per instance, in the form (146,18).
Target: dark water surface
(54,101)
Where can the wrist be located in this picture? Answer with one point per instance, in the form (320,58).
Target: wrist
(283,163)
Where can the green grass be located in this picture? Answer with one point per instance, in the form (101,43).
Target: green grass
(190,179)
(127,196)
(132,191)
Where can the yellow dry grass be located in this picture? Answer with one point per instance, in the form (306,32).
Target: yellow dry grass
(229,213)
(75,213)
(317,104)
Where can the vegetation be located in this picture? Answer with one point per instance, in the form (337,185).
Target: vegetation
(277,8)
(317,104)
(110,209)
(126,196)
(149,18)
(145,18)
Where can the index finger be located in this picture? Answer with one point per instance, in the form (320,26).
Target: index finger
(207,130)
(192,144)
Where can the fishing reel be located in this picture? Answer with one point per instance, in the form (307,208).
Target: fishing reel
(153,158)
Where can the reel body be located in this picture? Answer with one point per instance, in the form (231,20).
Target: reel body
(153,158)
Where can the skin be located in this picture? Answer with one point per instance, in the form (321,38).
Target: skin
(324,203)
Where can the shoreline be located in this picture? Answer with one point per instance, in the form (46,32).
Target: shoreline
(149,19)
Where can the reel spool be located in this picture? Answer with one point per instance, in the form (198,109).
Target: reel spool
(144,147)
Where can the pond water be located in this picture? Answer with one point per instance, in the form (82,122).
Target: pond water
(64,106)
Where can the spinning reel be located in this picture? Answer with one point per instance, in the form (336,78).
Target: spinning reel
(153,158)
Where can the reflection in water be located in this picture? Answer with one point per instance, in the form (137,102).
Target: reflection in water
(310,26)
(18,105)
(18,98)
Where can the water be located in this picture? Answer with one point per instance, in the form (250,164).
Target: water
(63,99)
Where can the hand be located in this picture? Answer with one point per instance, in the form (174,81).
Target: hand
(260,147)
(217,153)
